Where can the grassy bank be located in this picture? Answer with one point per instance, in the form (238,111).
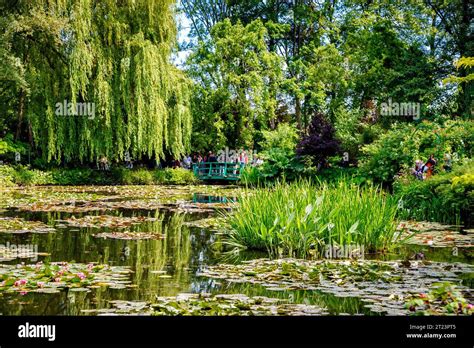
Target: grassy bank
(21,175)
(302,218)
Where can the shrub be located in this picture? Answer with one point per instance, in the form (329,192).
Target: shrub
(176,176)
(6,176)
(447,197)
(138,177)
(293,219)
(348,127)
(22,175)
(78,176)
(397,150)
(278,153)
(9,145)
(320,142)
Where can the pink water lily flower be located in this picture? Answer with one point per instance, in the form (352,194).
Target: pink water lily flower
(20,282)
(40,284)
(57,280)
(23,293)
(81,275)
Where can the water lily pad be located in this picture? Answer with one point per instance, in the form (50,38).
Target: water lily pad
(129,235)
(50,277)
(19,225)
(221,304)
(435,235)
(383,284)
(110,221)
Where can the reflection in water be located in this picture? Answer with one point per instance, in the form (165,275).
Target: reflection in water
(161,267)
(200,198)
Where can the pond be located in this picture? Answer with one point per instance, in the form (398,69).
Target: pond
(167,238)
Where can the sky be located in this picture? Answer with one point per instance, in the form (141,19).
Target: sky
(184,26)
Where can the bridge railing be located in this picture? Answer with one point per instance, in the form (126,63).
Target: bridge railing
(218,170)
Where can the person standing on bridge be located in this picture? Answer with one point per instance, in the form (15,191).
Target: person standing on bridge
(212,159)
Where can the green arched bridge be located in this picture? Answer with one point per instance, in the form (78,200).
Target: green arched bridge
(218,171)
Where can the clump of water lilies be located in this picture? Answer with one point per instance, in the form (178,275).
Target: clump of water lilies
(443,299)
(104,198)
(130,235)
(110,221)
(19,225)
(211,223)
(384,286)
(434,234)
(211,305)
(230,304)
(51,277)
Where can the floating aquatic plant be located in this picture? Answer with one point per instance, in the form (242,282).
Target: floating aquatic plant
(211,305)
(130,235)
(443,299)
(434,234)
(50,277)
(19,225)
(110,221)
(382,285)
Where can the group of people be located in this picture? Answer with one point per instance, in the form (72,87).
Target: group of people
(243,159)
(188,162)
(423,170)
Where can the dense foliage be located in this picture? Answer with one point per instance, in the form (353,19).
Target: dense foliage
(447,197)
(237,80)
(21,175)
(115,56)
(395,151)
(351,54)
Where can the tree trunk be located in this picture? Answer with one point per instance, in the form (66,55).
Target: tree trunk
(298,112)
(21,113)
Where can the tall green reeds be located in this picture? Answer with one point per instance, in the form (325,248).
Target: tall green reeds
(303,219)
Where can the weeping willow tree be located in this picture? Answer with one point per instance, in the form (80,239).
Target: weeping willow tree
(113,56)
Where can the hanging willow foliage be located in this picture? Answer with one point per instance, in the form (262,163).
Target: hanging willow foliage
(116,55)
